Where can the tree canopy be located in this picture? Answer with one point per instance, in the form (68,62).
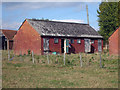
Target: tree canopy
(108,18)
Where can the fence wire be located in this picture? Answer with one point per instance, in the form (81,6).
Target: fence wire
(80,59)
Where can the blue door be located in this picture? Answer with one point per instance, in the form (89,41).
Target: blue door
(67,46)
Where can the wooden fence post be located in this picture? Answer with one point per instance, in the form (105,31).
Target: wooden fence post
(87,61)
(100,60)
(33,57)
(48,57)
(8,49)
(64,58)
(80,60)
(8,55)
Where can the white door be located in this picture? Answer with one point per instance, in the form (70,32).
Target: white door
(45,44)
(87,45)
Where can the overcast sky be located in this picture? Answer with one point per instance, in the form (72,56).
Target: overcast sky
(14,13)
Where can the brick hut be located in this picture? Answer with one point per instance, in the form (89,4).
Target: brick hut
(114,43)
(41,35)
(6,39)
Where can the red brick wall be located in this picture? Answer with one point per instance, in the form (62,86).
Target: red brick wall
(52,46)
(55,46)
(113,42)
(27,39)
(78,47)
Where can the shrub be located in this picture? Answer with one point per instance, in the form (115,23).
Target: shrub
(37,57)
(29,52)
(56,62)
(43,61)
(92,58)
(103,65)
(70,63)
(31,59)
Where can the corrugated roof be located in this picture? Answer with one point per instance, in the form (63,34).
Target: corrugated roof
(54,28)
(9,34)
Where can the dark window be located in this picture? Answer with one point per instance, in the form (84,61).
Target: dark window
(92,41)
(72,40)
(55,40)
(78,41)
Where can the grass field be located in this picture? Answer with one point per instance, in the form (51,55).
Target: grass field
(22,73)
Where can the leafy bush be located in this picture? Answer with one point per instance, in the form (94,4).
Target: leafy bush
(29,52)
(43,61)
(103,65)
(37,58)
(17,65)
(92,58)
(24,54)
(31,59)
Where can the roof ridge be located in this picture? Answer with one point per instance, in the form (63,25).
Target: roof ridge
(57,21)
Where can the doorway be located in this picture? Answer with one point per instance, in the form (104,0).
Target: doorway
(87,45)
(65,45)
(45,45)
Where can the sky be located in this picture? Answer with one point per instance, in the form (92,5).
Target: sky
(14,13)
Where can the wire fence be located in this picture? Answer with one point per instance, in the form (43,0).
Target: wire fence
(81,59)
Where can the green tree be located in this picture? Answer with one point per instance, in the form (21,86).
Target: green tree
(45,19)
(119,13)
(108,19)
(41,19)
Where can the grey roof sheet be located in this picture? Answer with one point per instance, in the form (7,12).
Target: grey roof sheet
(54,28)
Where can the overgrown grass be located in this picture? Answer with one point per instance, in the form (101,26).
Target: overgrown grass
(22,73)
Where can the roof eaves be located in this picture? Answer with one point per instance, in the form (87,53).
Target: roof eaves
(87,36)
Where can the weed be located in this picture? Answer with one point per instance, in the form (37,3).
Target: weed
(112,71)
(31,59)
(92,58)
(17,65)
(37,57)
(115,68)
(64,76)
(24,54)
(9,64)
(29,52)
(34,66)
(114,81)
(56,62)
(103,59)
(103,64)
(43,61)
(82,71)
